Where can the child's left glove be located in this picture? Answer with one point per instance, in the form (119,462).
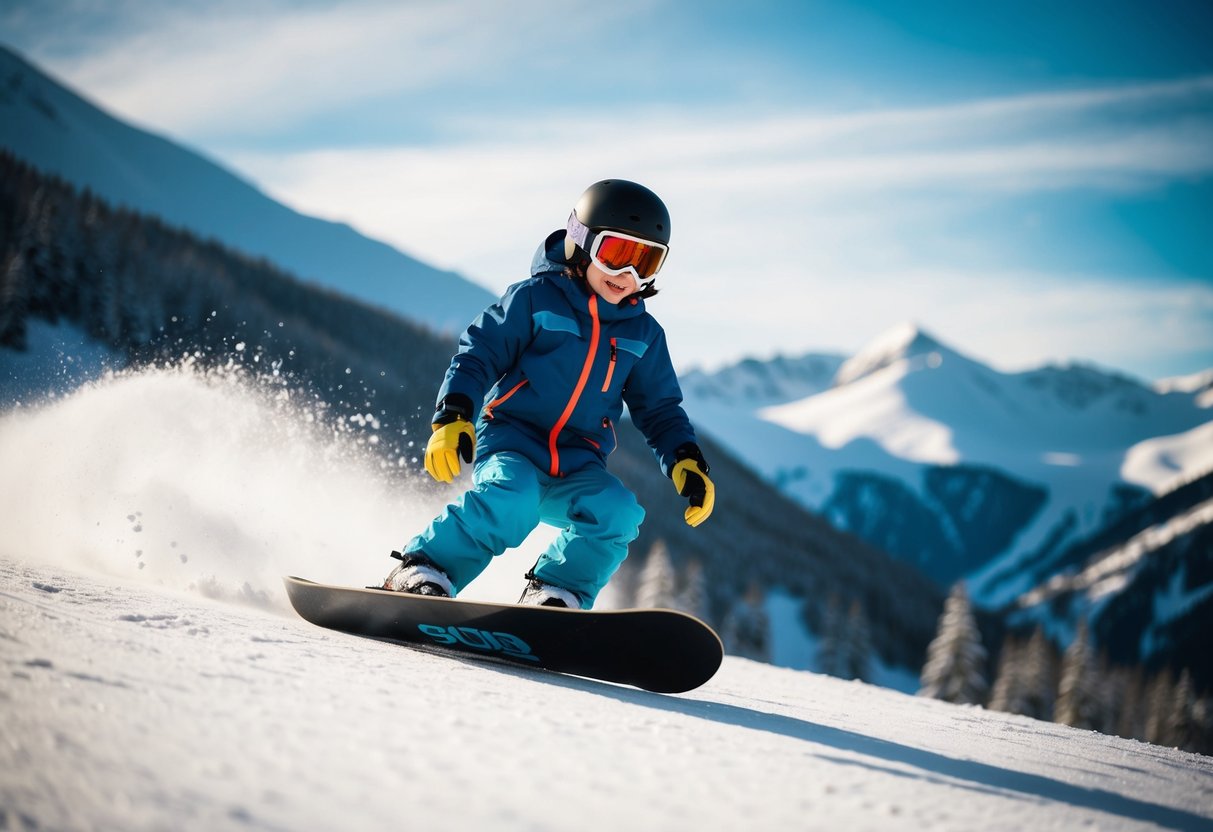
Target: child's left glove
(690,476)
(454,437)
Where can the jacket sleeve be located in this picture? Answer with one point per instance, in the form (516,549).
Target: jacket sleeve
(654,400)
(490,346)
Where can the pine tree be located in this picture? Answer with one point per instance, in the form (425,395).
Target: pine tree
(1039,676)
(693,598)
(955,666)
(1077,698)
(1007,693)
(1130,720)
(1159,702)
(857,656)
(746,630)
(1026,682)
(1202,714)
(1182,721)
(656,585)
(830,646)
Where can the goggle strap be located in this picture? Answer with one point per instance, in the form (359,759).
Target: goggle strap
(578,231)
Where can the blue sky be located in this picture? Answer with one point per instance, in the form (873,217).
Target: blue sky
(1029,181)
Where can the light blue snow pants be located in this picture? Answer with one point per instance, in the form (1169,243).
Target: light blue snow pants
(597,515)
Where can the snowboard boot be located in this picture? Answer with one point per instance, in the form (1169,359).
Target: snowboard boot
(419,576)
(546,595)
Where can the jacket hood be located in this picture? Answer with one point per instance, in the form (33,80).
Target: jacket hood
(549,260)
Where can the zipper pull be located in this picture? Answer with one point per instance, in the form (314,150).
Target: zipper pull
(606,384)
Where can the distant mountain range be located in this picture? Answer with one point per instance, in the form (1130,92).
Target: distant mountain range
(950,464)
(59,132)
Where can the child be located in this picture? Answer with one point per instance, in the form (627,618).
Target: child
(562,353)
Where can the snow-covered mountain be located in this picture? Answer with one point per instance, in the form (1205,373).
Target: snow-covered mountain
(1143,586)
(55,130)
(133,705)
(757,383)
(963,469)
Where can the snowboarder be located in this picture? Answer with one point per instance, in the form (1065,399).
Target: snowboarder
(562,352)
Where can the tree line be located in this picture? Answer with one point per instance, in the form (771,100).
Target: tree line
(1078,686)
(151,292)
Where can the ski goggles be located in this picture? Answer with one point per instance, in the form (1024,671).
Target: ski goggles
(615,252)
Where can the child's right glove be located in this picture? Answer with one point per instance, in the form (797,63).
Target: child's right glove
(690,476)
(454,437)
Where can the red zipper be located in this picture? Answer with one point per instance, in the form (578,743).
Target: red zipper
(606,385)
(488,408)
(577,391)
(606,425)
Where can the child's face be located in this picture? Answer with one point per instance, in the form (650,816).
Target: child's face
(611,288)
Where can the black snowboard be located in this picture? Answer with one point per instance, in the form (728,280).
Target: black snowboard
(658,650)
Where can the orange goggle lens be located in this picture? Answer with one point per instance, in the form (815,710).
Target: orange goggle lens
(617,252)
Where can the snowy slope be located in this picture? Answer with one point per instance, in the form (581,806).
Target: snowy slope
(923,424)
(131,706)
(58,132)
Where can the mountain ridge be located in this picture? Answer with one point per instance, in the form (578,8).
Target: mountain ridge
(907,408)
(46,124)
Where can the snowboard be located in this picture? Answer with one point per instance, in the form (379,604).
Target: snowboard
(653,649)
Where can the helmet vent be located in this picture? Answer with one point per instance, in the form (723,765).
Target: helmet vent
(634,218)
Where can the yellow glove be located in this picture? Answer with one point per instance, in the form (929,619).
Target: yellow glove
(690,476)
(447,444)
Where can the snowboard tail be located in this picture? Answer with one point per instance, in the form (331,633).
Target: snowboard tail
(654,649)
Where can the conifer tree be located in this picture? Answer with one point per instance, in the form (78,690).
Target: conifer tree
(693,597)
(1077,698)
(746,630)
(955,666)
(1202,715)
(830,645)
(1130,720)
(1159,703)
(1039,676)
(1182,721)
(1026,682)
(656,585)
(1007,693)
(857,638)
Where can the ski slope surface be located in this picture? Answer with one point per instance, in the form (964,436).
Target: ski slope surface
(133,707)
(154,676)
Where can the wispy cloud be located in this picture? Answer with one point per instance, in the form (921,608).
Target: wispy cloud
(805,224)
(223,68)
(777,174)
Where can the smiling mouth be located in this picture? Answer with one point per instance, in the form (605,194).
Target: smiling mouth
(616,286)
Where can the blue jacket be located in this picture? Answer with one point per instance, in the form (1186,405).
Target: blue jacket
(553,364)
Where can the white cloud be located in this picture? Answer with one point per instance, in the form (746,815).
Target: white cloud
(853,180)
(797,232)
(1012,320)
(231,68)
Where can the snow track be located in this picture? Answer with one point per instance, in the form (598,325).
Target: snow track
(138,707)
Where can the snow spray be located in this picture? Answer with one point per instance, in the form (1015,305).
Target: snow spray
(214,480)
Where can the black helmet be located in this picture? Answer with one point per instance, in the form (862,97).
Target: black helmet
(624,206)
